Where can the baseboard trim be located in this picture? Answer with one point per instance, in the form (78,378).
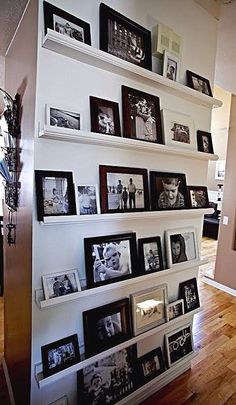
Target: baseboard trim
(8,381)
(213,283)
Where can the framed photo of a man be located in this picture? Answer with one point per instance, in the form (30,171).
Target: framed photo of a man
(181,246)
(171,66)
(60,284)
(179,344)
(198,197)
(178,130)
(198,83)
(150,255)
(104,116)
(204,142)
(150,366)
(188,291)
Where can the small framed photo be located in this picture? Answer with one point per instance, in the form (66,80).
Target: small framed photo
(66,24)
(171,66)
(198,197)
(123,189)
(220,170)
(106,326)
(105,117)
(59,355)
(198,83)
(204,142)
(150,255)
(60,284)
(150,366)
(174,309)
(109,259)
(88,200)
(141,115)
(124,38)
(63,118)
(108,380)
(188,291)
(168,191)
(55,193)
(179,130)
(179,344)
(181,246)
(148,308)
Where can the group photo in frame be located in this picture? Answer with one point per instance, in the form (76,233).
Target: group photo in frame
(174,309)
(204,142)
(105,117)
(60,284)
(124,38)
(179,344)
(62,117)
(150,366)
(188,291)
(181,246)
(88,198)
(178,130)
(198,83)
(198,197)
(171,66)
(150,255)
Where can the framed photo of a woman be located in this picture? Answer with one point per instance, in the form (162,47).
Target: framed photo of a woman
(181,246)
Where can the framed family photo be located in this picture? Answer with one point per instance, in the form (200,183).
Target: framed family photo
(150,255)
(88,197)
(198,83)
(179,344)
(141,115)
(181,246)
(171,66)
(104,116)
(150,366)
(174,309)
(178,130)
(124,38)
(123,189)
(63,118)
(198,197)
(204,142)
(188,291)
(60,284)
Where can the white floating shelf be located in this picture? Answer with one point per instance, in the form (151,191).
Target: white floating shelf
(91,56)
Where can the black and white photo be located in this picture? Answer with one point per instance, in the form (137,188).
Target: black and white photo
(188,291)
(105,117)
(181,246)
(171,66)
(198,196)
(60,284)
(220,170)
(198,83)
(150,255)
(179,344)
(67,28)
(178,130)
(150,366)
(63,118)
(174,309)
(88,197)
(204,142)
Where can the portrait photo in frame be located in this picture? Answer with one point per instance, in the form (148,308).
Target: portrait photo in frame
(150,366)
(198,197)
(150,255)
(179,344)
(105,117)
(174,309)
(204,142)
(198,83)
(181,246)
(171,66)
(60,284)
(61,117)
(178,130)
(188,291)
(88,198)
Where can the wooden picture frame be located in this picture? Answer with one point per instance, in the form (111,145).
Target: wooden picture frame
(63,117)
(188,291)
(150,255)
(174,309)
(204,142)
(179,344)
(181,246)
(171,66)
(199,83)
(178,130)
(150,366)
(60,284)
(198,197)
(104,116)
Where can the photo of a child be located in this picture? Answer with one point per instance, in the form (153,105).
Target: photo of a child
(168,191)
(181,246)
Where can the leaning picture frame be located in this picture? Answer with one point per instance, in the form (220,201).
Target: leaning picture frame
(179,344)
(171,66)
(105,117)
(174,309)
(220,170)
(178,130)
(66,118)
(88,199)
(150,255)
(204,142)
(181,246)
(150,365)
(198,197)
(60,284)
(199,83)
(188,291)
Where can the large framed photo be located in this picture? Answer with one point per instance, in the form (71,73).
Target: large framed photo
(171,66)
(141,115)
(60,284)
(150,366)
(123,189)
(88,197)
(55,193)
(66,24)
(104,116)
(168,191)
(124,38)
(150,255)
(198,83)
(59,355)
(181,246)
(106,326)
(174,309)
(179,344)
(188,291)
(204,142)
(148,308)
(108,380)
(109,259)
(63,118)
(178,130)
(198,197)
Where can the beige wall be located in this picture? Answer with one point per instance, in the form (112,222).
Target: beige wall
(2,71)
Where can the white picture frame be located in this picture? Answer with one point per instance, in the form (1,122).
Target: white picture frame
(171,66)
(174,309)
(181,246)
(220,170)
(60,284)
(64,118)
(178,130)
(88,199)
(179,344)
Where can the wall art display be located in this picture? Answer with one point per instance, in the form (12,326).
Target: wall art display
(188,291)
(181,246)
(150,366)
(109,259)
(55,193)
(106,326)
(60,284)
(150,255)
(63,118)
(141,115)
(204,142)
(66,24)
(179,344)
(104,116)
(171,66)
(88,197)
(174,309)
(220,170)
(178,130)
(124,38)
(198,83)
(148,308)
(59,355)
(123,189)
(61,401)
(168,191)
(198,197)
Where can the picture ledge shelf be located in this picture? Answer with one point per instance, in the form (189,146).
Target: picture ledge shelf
(85,137)
(84,53)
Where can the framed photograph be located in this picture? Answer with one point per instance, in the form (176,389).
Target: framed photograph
(220,170)
(188,291)
(141,115)
(55,193)
(204,142)
(104,116)
(174,309)
(181,246)
(150,255)
(88,200)
(168,191)
(109,259)
(178,130)
(66,24)
(150,366)
(108,380)
(106,326)
(179,344)
(59,355)
(198,197)
(63,118)
(124,38)
(60,284)
(61,401)
(198,83)
(171,66)
(123,189)
(148,308)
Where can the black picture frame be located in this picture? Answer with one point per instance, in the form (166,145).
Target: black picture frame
(116,192)
(179,344)
(61,187)
(150,256)
(204,142)
(106,326)
(198,197)
(188,291)
(124,38)
(100,258)
(64,351)
(199,83)
(150,366)
(80,33)
(175,183)
(104,116)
